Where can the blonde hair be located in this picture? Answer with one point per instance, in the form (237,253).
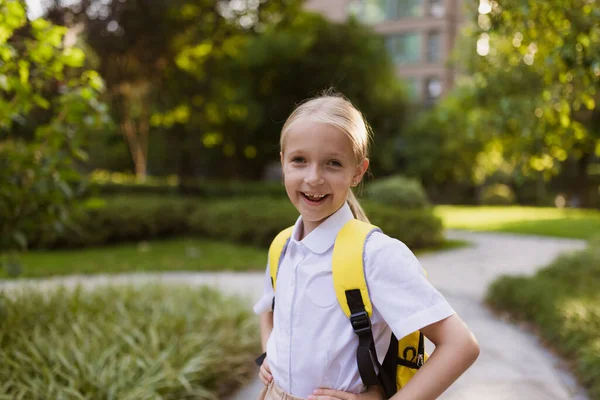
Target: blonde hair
(333,109)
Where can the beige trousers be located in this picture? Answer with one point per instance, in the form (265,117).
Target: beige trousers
(274,392)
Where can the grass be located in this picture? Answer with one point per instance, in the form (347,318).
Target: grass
(545,221)
(562,301)
(126,343)
(187,254)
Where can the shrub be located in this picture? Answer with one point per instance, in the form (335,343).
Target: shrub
(119,219)
(418,229)
(563,302)
(497,194)
(117,183)
(398,191)
(253,220)
(144,342)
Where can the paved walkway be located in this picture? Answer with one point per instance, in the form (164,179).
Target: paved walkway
(512,364)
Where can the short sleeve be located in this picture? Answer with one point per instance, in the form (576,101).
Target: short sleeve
(266,301)
(398,287)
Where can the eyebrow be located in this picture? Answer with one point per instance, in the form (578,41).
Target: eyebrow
(328,155)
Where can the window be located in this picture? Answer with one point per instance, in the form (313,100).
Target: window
(437,8)
(434,47)
(433,89)
(376,11)
(369,11)
(405,48)
(408,8)
(413,86)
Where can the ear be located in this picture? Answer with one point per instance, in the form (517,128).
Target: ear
(360,171)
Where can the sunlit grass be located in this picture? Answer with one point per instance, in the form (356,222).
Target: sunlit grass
(568,223)
(187,254)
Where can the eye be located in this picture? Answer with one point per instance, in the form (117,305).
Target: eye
(298,160)
(335,163)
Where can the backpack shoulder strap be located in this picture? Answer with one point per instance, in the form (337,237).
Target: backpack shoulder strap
(347,264)
(353,296)
(276,250)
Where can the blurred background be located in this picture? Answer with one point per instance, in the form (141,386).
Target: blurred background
(143,136)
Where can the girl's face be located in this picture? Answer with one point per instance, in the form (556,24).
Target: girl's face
(318,167)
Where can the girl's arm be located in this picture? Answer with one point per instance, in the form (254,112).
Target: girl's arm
(266,326)
(456,349)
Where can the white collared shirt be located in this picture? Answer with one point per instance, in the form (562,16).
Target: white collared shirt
(312,344)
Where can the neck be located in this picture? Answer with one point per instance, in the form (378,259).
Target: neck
(307,228)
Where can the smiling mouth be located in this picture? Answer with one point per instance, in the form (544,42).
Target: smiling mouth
(315,198)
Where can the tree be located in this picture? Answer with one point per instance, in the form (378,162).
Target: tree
(538,76)
(161,58)
(291,62)
(39,180)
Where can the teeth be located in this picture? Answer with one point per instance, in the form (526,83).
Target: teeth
(318,196)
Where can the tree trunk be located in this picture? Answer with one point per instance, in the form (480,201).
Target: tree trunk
(138,145)
(583,186)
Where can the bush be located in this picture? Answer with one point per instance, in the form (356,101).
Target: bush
(254,220)
(563,301)
(145,342)
(117,183)
(398,191)
(497,194)
(120,219)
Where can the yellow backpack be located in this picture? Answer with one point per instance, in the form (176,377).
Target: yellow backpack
(404,356)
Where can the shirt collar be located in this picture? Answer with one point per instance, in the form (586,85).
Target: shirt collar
(323,236)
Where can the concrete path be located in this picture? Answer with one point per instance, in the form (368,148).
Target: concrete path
(512,364)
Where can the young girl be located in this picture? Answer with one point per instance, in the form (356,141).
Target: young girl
(310,345)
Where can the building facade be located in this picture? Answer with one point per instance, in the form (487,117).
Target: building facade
(420,36)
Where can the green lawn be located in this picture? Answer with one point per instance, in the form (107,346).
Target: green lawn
(188,254)
(568,223)
(166,255)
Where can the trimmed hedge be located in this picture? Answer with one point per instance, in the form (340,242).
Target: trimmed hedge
(128,343)
(563,302)
(252,220)
(398,191)
(497,194)
(207,190)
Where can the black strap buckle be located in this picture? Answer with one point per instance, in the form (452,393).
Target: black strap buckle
(360,322)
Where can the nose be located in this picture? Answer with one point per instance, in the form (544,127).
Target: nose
(314,176)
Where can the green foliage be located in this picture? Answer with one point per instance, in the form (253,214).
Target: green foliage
(398,191)
(418,229)
(537,81)
(107,183)
(39,179)
(497,194)
(563,301)
(144,342)
(172,77)
(251,220)
(292,62)
(441,146)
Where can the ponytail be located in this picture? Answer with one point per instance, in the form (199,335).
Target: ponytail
(357,210)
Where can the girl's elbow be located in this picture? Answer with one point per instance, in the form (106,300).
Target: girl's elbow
(473,348)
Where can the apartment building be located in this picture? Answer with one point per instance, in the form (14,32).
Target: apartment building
(420,35)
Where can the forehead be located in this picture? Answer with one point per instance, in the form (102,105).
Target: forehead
(317,137)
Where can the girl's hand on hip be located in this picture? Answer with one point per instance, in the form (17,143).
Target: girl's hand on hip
(265,373)
(329,394)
